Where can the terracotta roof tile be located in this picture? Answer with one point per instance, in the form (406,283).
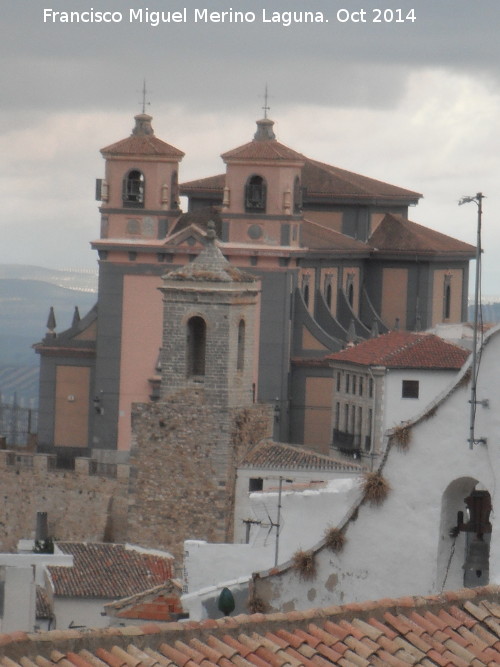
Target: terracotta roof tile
(397,234)
(269,454)
(325,179)
(452,631)
(43,605)
(142,141)
(108,571)
(316,237)
(319,180)
(404,349)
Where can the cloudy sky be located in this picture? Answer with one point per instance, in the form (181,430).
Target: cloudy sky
(415,103)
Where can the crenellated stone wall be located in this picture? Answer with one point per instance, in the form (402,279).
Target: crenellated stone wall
(88,503)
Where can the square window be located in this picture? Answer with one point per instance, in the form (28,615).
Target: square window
(255,484)
(410,389)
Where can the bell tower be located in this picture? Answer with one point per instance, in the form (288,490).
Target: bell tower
(209,329)
(262,201)
(139,192)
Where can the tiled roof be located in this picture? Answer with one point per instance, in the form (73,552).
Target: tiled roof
(43,606)
(263,150)
(459,629)
(161,603)
(316,237)
(142,141)
(148,145)
(326,180)
(397,234)
(321,180)
(268,454)
(263,147)
(404,349)
(108,570)
(211,183)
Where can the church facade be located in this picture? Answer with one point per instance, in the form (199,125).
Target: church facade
(335,254)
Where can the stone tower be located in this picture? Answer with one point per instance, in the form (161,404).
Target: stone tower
(188,444)
(209,329)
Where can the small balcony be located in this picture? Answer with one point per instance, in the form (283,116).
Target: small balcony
(347,443)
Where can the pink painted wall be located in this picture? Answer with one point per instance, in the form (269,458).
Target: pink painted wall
(156,173)
(141,341)
(279,179)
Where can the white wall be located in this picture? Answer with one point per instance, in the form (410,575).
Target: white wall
(19,599)
(83,613)
(304,516)
(398,409)
(248,506)
(403,546)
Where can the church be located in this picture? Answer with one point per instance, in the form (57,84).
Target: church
(336,258)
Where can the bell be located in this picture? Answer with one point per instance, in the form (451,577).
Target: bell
(477,556)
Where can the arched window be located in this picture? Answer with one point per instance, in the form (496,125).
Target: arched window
(297,196)
(328,295)
(447,301)
(241,346)
(133,189)
(350,294)
(174,191)
(255,194)
(196,346)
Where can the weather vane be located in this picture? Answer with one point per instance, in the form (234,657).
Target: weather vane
(266,107)
(144,91)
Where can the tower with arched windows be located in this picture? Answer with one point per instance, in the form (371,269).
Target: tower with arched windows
(210,329)
(139,193)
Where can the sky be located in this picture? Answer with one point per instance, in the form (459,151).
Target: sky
(415,103)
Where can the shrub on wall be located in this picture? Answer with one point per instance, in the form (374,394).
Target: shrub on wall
(256,605)
(334,539)
(375,488)
(304,563)
(401,435)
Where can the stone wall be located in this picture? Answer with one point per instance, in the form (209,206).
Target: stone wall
(179,484)
(85,504)
(183,464)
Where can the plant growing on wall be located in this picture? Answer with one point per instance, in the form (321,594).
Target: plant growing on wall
(256,605)
(304,563)
(44,546)
(375,488)
(334,539)
(401,435)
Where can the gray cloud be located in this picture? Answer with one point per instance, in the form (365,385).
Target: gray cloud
(415,103)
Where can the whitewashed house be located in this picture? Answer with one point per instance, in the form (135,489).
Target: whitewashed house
(385,381)
(435,528)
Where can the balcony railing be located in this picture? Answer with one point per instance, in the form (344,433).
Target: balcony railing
(347,443)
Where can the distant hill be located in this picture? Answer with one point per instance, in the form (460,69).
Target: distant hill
(26,294)
(80,280)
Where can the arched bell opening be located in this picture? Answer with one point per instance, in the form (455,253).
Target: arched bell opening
(465,535)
